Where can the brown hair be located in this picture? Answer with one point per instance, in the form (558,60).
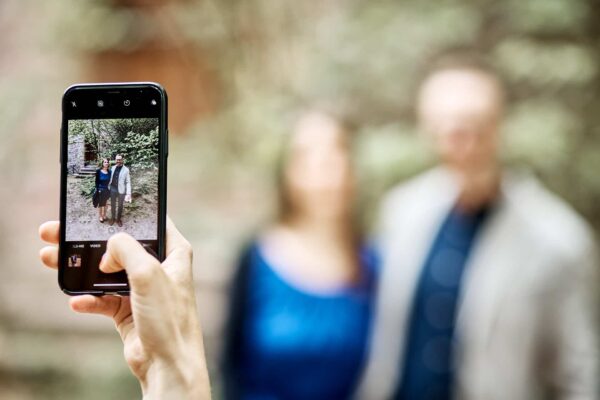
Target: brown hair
(102,162)
(286,209)
(284,203)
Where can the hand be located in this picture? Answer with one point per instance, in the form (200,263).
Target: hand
(127,198)
(158,323)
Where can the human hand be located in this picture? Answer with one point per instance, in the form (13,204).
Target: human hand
(158,322)
(128,198)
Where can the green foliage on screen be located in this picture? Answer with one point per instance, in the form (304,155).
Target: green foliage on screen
(136,139)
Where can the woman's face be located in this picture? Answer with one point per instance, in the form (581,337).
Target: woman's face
(318,176)
(105,164)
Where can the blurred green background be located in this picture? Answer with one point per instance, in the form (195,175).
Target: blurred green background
(237,72)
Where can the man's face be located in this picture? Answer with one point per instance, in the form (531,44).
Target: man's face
(461,111)
(119,160)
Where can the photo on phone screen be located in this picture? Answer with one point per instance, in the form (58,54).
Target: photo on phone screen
(112,166)
(113,179)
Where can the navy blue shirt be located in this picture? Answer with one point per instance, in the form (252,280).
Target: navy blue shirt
(290,344)
(428,363)
(115,181)
(102,179)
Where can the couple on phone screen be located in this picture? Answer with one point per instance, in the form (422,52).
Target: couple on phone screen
(113,183)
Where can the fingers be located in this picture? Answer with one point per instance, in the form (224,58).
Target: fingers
(175,239)
(49,256)
(49,231)
(123,252)
(179,254)
(106,305)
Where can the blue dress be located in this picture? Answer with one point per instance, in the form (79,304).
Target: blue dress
(102,180)
(285,343)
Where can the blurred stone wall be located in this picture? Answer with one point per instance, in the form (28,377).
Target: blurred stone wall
(75,149)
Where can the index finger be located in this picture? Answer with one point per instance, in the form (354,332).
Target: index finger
(49,231)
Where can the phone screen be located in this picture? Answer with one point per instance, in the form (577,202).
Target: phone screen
(111,179)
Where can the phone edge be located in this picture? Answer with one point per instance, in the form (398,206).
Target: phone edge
(162,178)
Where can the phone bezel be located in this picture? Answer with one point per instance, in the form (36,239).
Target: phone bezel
(162,174)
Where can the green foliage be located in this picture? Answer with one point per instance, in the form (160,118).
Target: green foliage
(146,182)
(136,139)
(140,149)
(87,187)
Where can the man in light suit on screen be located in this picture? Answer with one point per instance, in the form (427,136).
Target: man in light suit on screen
(120,190)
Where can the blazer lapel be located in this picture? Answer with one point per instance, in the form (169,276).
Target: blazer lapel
(490,272)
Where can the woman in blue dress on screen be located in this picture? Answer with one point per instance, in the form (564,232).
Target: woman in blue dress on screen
(102,180)
(302,295)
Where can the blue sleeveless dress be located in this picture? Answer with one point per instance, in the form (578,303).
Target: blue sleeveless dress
(285,343)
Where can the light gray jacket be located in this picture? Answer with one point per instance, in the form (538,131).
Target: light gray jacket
(526,320)
(124,180)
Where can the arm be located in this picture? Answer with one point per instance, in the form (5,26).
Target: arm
(110,171)
(572,330)
(128,183)
(158,322)
(234,326)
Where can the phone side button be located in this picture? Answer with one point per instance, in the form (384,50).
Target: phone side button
(167,144)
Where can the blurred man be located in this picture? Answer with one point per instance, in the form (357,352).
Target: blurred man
(487,284)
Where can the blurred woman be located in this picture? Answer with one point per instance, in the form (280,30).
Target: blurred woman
(102,180)
(302,295)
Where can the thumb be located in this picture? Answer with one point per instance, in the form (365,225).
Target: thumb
(123,252)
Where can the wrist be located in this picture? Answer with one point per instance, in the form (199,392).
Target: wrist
(171,381)
(183,375)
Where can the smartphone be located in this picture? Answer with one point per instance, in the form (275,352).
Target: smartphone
(114,149)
